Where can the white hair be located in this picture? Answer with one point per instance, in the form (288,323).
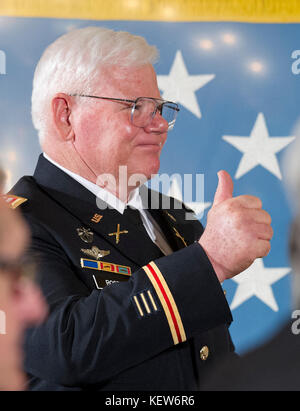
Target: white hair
(72,63)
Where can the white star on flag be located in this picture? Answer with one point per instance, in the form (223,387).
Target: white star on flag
(197,206)
(180,86)
(259,148)
(257,281)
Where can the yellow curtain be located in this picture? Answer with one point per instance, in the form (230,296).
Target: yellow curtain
(259,11)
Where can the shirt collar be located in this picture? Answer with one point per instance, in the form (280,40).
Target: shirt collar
(135,199)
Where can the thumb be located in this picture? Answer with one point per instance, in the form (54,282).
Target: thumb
(225,188)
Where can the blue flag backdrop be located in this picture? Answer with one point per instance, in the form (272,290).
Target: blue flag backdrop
(237,85)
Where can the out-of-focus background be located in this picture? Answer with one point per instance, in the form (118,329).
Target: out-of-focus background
(234,69)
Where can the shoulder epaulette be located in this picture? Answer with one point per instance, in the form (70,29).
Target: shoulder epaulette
(14,201)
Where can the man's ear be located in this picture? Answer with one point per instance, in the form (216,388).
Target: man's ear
(61,111)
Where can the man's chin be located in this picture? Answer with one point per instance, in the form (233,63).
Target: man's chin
(152,170)
(147,169)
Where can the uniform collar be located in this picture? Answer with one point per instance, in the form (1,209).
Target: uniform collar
(114,202)
(94,214)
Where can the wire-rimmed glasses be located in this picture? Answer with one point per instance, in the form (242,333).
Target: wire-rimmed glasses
(144,109)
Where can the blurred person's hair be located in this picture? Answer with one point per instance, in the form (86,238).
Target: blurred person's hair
(2,180)
(72,65)
(291,171)
(294,251)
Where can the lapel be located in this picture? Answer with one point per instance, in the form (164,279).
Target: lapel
(133,243)
(170,215)
(94,213)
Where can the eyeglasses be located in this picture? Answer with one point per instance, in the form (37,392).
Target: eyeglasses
(144,109)
(21,268)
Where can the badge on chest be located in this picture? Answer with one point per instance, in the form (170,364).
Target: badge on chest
(102,280)
(109,273)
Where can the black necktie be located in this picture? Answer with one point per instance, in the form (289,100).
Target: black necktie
(135,217)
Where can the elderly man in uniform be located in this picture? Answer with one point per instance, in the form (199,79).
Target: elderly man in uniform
(135,292)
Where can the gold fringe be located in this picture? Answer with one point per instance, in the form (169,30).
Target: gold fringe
(255,11)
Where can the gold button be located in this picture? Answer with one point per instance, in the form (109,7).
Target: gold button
(204,353)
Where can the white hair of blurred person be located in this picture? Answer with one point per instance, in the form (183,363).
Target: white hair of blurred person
(72,65)
(291,172)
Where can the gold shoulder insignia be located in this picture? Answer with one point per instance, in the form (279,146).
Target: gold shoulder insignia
(14,201)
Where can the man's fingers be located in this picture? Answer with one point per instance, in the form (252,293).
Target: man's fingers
(263,231)
(248,201)
(258,216)
(263,248)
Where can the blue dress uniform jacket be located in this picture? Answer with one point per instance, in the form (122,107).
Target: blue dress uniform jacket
(122,316)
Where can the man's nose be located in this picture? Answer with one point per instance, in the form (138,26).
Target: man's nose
(157,125)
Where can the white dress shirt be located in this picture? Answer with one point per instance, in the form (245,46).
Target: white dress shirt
(135,201)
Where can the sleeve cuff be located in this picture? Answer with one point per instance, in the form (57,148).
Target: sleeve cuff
(189,292)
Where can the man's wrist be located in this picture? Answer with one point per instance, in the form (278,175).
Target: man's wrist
(219,270)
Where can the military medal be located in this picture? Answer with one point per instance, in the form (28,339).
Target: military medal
(85,234)
(105,266)
(95,252)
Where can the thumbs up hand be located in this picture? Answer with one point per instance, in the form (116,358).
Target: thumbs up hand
(238,230)
(225,188)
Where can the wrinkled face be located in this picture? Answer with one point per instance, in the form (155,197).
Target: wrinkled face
(104,134)
(21,303)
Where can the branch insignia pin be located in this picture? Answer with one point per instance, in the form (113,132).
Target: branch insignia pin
(85,234)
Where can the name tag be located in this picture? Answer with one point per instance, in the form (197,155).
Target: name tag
(105,266)
(102,280)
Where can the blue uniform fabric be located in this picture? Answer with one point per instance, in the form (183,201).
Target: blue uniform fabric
(95,337)
(273,366)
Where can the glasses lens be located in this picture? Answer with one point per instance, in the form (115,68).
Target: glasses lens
(145,109)
(169,113)
(143,112)
(25,268)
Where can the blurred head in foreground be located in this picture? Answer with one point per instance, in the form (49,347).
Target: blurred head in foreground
(21,303)
(292,179)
